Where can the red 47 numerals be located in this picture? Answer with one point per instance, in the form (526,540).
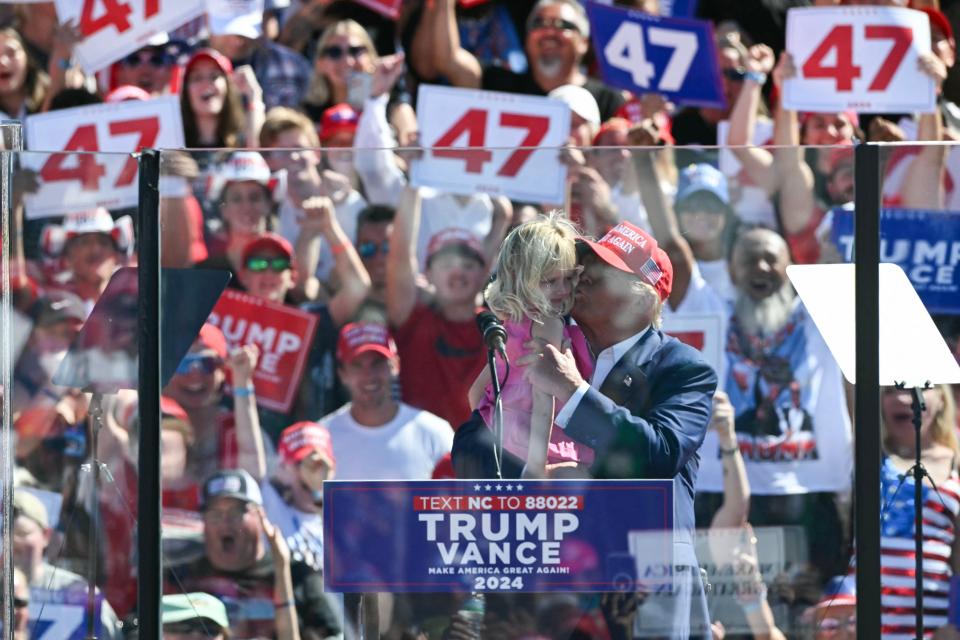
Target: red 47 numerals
(100,14)
(840,42)
(85,167)
(473,124)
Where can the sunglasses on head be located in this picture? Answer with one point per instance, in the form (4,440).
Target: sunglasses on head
(370,249)
(157,59)
(335,51)
(208,628)
(259,265)
(195,361)
(554,23)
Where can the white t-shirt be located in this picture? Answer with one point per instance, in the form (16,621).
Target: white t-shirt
(717,275)
(303,531)
(406,448)
(791,415)
(441,211)
(702,300)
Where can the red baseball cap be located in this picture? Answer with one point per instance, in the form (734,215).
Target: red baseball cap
(339,117)
(303,438)
(629,248)
(268,241)
(213,338)
(171,408)
(213,56)
(360,337)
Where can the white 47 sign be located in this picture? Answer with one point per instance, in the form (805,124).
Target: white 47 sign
(865,59)
(92,164)
(113,28)
(497,143)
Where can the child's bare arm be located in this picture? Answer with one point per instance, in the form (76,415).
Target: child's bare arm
(542,414)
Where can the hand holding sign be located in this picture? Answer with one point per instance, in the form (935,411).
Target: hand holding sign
(866,61)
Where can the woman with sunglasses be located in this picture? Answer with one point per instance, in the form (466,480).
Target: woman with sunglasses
(345,60)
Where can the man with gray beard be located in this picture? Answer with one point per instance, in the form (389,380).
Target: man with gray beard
(792,424)
(557,38)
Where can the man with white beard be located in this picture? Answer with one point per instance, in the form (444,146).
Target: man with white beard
(558,36)
(792,424)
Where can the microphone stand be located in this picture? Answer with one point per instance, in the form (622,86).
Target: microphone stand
(497,411)
(96,422)
(918,406)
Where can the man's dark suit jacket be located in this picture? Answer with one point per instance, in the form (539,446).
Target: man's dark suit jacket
(647,420)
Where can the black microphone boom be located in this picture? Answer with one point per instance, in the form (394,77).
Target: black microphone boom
(494,335)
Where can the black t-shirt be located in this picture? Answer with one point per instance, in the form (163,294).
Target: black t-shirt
(500,79)
(691,133)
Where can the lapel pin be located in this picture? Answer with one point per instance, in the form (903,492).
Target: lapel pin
(627,380)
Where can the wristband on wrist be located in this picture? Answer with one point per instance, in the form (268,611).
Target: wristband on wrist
(731,451)
(337,249)
(285,603)
(243,392)
(756,76)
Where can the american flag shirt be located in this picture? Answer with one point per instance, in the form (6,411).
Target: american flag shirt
(897,556)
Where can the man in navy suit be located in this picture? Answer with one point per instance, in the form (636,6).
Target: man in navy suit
(646,409)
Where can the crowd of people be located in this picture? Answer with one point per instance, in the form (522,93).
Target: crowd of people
(300,131)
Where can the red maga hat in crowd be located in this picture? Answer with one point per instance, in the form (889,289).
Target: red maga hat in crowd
(301,439)
(268,241)
(360,337)
(631,249)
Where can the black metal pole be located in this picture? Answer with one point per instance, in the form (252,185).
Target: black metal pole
(867,453)
(149,575)
(917,405)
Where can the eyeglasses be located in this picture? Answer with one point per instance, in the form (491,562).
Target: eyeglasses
(735,75)
(136,59)
(553,23)
(335,51)
(207,629)
(370,249)
(259,264)
(197,362)
(229,516)
(18,603)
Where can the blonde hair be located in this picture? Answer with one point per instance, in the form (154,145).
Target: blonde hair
(528,253)
(943,431)
(282,119)
(318,92)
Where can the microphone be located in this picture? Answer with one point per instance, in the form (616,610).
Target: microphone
(494,335)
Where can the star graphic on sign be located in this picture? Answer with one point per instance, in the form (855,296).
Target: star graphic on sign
(509,487)
(519,487)
(499,487)
(476,487)
(487,487)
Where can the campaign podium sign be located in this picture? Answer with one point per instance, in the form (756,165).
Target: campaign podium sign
(859,58)
(284,335)
(97,168)
(496,535)
(644,53)
(926,245)
(491,142)
(113,28)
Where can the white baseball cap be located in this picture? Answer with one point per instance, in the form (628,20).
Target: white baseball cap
(580,101)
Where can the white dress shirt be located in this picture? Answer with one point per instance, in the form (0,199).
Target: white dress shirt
(604,365)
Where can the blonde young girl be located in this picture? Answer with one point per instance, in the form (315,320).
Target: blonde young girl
(533,293)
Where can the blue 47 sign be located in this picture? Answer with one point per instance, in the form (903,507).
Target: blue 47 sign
(652,54)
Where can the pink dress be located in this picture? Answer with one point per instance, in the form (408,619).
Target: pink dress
(517,398)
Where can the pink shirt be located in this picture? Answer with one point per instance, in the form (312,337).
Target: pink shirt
(517,397)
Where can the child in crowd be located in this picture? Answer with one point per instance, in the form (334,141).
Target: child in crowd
(533,293)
